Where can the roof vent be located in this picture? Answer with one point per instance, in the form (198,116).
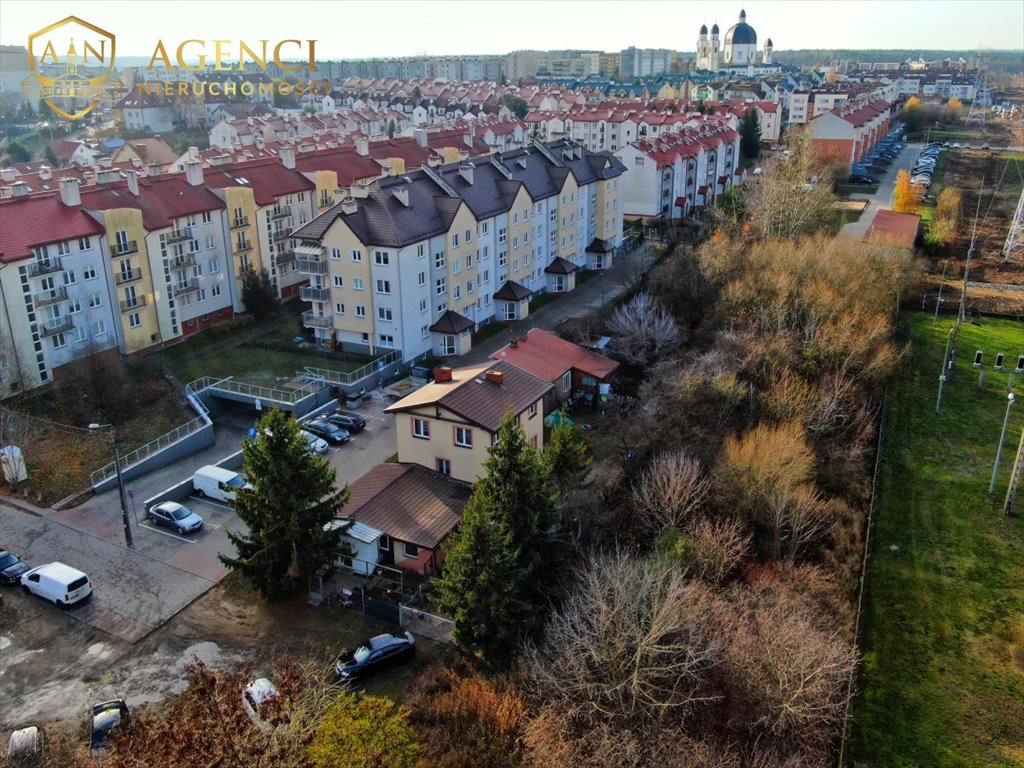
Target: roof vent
(348,205)
(496,377)
(466,172)
(401,195)
(360,189)
(442,374)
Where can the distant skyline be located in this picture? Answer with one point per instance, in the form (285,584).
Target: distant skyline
(386,28)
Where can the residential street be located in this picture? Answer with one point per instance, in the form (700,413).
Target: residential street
(882,199)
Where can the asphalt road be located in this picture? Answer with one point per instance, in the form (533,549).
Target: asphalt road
(882,199)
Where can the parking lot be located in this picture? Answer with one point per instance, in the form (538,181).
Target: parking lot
(138,589)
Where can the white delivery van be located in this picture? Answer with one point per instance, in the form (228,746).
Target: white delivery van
(58,583)
(217,483)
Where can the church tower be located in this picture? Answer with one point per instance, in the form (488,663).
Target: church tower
(714,48)
(767,58)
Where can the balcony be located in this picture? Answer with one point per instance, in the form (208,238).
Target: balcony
(55,325)
(178,235)
(182,262)
(124,249)
(243,246)
(280,212)
(309,320)
(136,302)
(242,221)
(186,286)
(127,276)
(284,257)
(41,267)
(310,266)
(51,296)
(281,234)
(309,293)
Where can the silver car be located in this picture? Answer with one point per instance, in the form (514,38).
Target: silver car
(176,516)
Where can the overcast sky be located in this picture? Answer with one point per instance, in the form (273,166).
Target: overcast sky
(409,27)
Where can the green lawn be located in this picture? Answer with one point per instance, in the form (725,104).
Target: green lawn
(943,635)
(544,298)
(486,331)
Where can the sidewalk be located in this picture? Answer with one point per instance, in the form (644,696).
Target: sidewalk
(599,291)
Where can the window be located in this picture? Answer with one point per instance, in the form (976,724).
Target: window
(421,251)
(383,286)
(214,266)
(339,308)
(70,278)
(207,218)
(63,249)
(457,293)
(485,276)
(336,254)
(469,286)
(526,237)
(469,235)
(447,345)
(502,234)
(456,267)
(441,285)
(423,305)
(463,437)
(201,296)
(421,278)
(75,307)
(455,240)
(515,219)
(439,260)
(515,242)
(59,342)
(553,215)
(515,265)
(84,243)
(531,411)
(215,291)
(95,300)
(502,259)
(566,380)
(79,335)
(487,253)
(381,258)
(383,313)
(357,255)
(469,260)
(410,550)
(387,341)
(89,273)
(421,429)
(357,283)
(444,467)
(526,213)
(338,281)
(99,328)
(360,310)
(384,543)
(134,320)
(197,270)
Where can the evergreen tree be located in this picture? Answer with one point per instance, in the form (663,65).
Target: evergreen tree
(18,152)
(506,560)
(293,495)
(391,129)
(566,456)
(516,105)
(258,292)
(750,134)
(51,156)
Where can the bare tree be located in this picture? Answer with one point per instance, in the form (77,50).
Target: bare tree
(643,330)
(669,491)
(633,642)
(713,550)
(795,518)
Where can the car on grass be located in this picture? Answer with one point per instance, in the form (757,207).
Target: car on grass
(174,515)
(376,653)
(314,444)
(57,583)
(351,422)
(105,721)
(264,704)
(25,747)
(11,567)
(328,431)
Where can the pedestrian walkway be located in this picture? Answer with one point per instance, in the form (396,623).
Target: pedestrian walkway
(601,290)
(882,199)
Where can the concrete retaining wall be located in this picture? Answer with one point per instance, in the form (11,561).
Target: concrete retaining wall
(191,443)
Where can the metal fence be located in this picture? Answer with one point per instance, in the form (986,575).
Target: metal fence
(349,378)
(420,622)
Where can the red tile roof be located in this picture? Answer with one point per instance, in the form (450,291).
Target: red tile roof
(547,356)
(348,164)
(162,199)
(896,230)
(268,179)
(38,220)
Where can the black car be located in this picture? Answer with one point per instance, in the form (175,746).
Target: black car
(862,180)
(352,422)
(375,653)
(332,433)
(106,720)
(11,567)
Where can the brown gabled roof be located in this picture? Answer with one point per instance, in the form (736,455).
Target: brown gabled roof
(472,396)
(408,503)
(548,356)
(560,266)
(452,322)
(512,291)
(892,229)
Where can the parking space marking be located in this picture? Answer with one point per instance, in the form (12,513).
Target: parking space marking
(167,533)
(207,500)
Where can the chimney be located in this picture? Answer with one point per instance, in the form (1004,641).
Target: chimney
(287,154)
(106,162)
(331,144)
(108,176)
(249,120)
(463,155)
(496,376)
(307,147)
(360,189)
(153,170)
(348,205)
(402,195)
(466,172)
(133,183)
(19,189)
(434,160)
(420,135)
(469,136)
(221,160)
(193,153)
(362,146)
(45,172)
(259,141)
(194,173)
(8,175)
(442,374)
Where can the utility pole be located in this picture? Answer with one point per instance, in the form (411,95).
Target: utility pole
(938,301)
(1015,478)
(942,373)
(1015,238)
(999,448)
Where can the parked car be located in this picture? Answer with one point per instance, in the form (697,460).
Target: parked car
(106,720)
(315,444)
(264,704)
(58,583)
(217,483)
(11,567)
(352,422)
(375,653)
(862,180)
(174,515)
(328,430)
(25,747)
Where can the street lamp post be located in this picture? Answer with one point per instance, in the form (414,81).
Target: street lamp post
(116,441)
(999,448)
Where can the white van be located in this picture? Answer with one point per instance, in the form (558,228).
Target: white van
(60,584)
(217,483)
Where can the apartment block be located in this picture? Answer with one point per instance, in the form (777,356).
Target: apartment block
(416,261)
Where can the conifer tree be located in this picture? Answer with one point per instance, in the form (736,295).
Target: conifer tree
(566,455)
(293,495)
